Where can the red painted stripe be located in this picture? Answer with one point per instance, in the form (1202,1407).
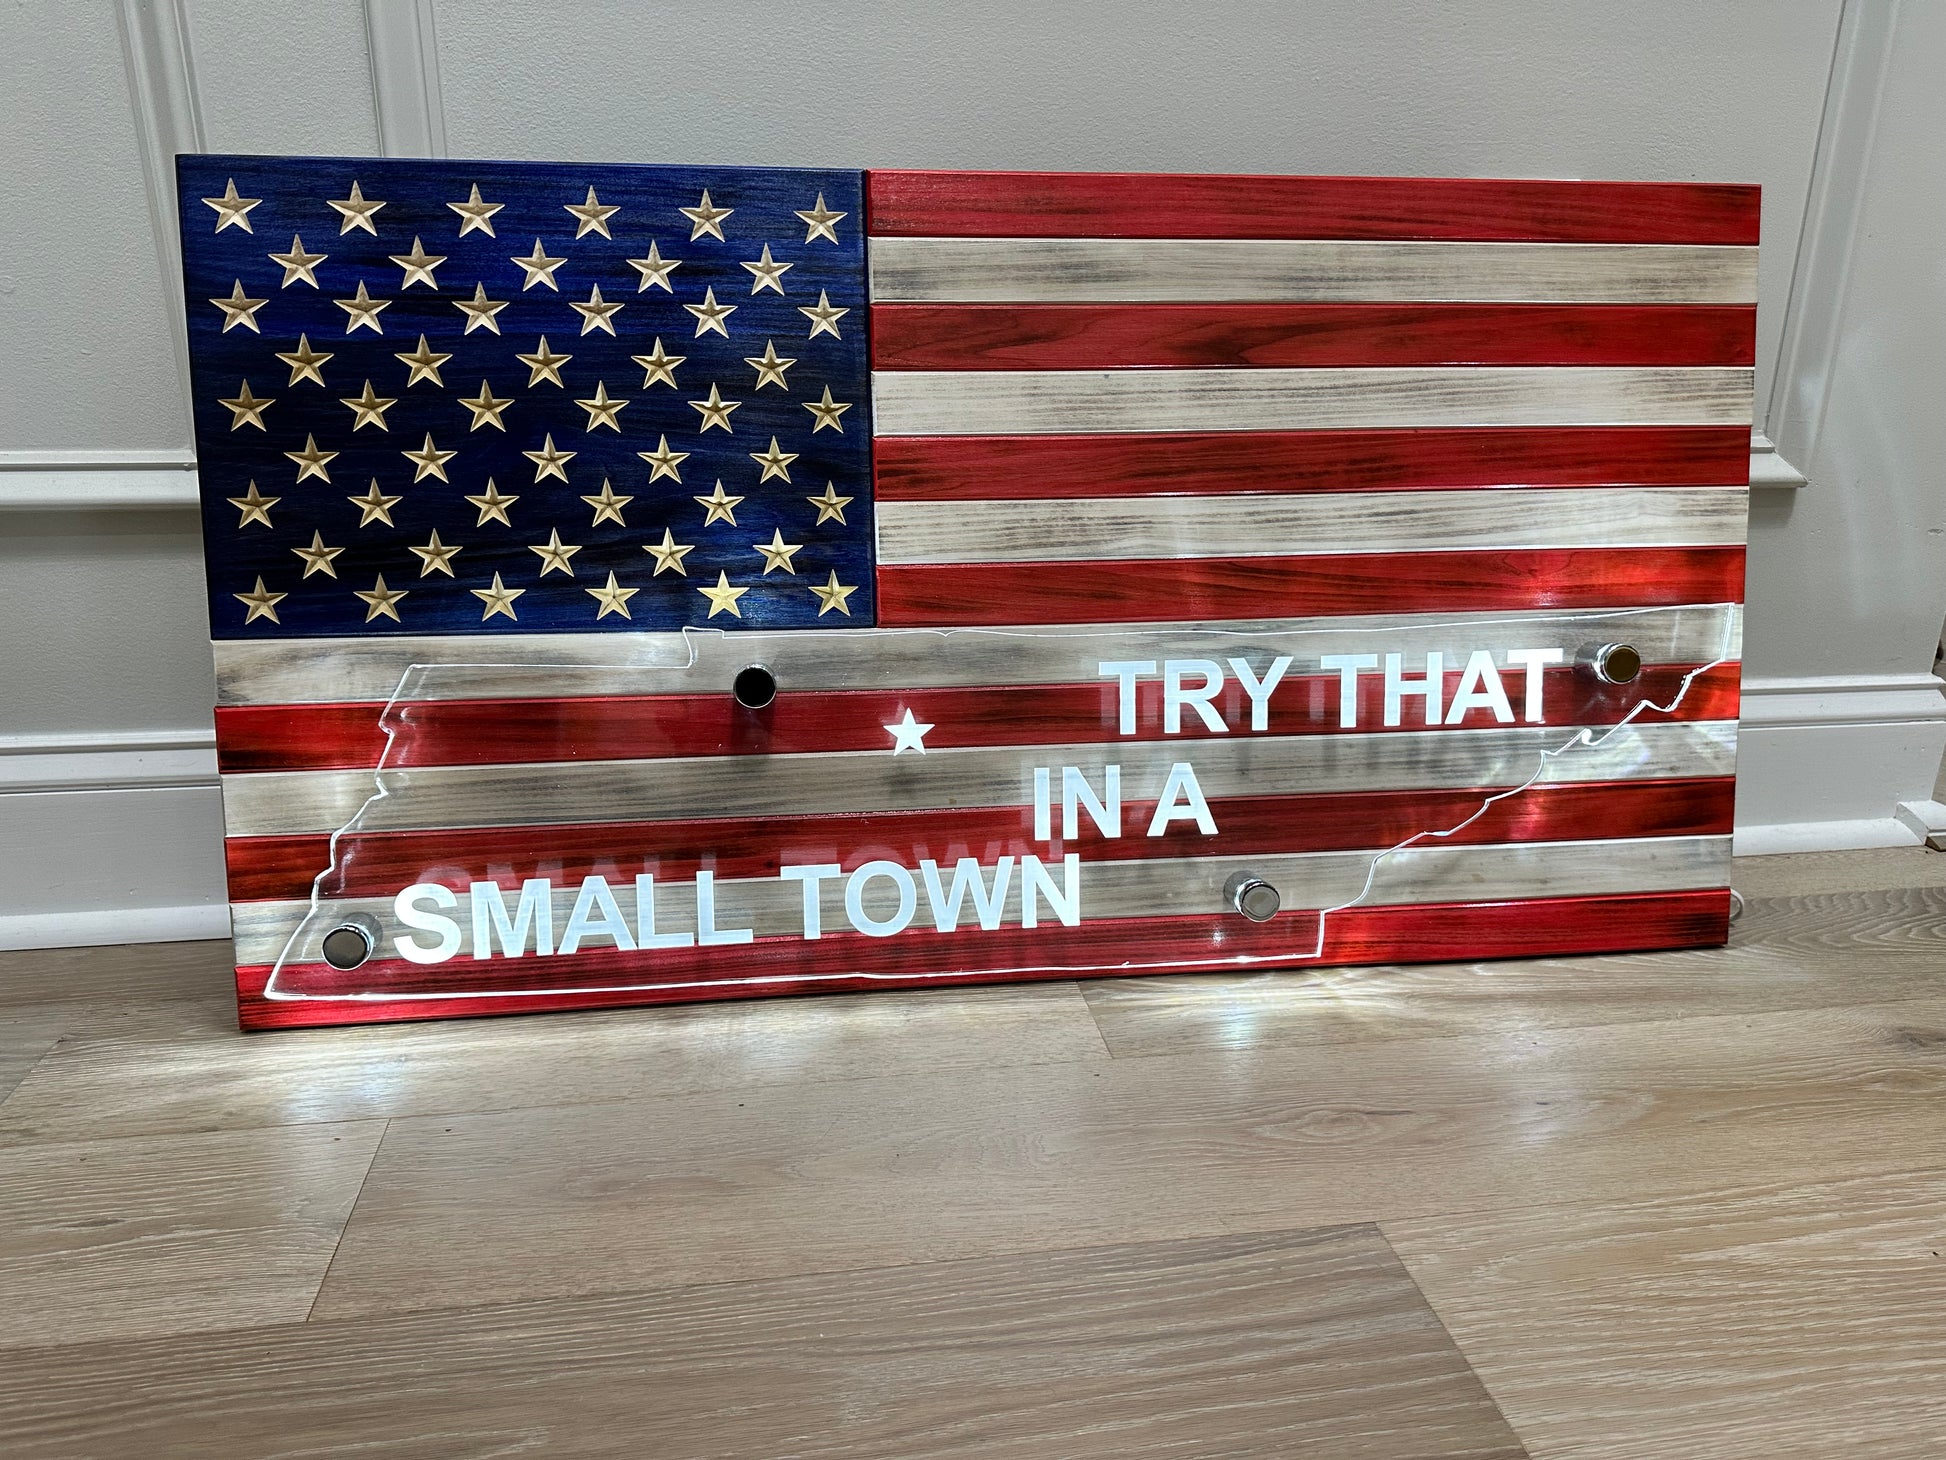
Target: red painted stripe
(1172,589)
(378,864)
(501,732)
(1195,205)
(1431,933)
(955,468)
(1187,336)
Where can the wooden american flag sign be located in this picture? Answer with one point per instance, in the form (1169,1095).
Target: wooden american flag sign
(634,584)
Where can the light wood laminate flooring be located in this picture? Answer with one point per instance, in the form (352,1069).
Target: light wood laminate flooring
(1684,1205)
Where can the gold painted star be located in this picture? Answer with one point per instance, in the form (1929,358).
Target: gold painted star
(819,222)
(375,506)
(826,412)
(602,408)
(424,362)
(715,410)
(770,366)
(239,310)
(663,461)
(245,408)
(498,599)
(830,505)
(548,462)
(362,309)
(706,217)
(487,408)
(660,366)
(430,460)
(613,598)
(593,215)
(317,557)
(311,461)
(723,598)
(824,319)
(368,408)
(767,273)
(555,554)
(475,214)
(540,267)
(232,209)
(480,310)
(543,364)
(304,361)
(356,212)
(775,463)
(493,505)
(608,506)
(381,600)
(718,507)
(833,594)
(418,266)
(669,554)
(709,314)
(298,264)
(261,602)
(654,270)
(595,315)
(254,506)
(435,556)
(777,553)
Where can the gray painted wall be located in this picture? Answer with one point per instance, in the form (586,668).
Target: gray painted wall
(106,631)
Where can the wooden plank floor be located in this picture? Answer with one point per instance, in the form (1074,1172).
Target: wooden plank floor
(1686,1205)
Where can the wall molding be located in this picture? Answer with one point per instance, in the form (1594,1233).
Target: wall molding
(104,927)
(168,120)
(406,99)
(98,480)
(1827,762)
(1821,273)
(110,761)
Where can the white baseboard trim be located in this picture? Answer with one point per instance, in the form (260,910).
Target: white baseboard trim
(1825,762)
(101,927)
(1822,836)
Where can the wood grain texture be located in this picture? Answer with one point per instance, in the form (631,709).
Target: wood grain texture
(1790,1319)
(25,1035)
(659,1194)
(1537,579)
(1180,336)
(1219,270)
(102,1239)
(518,666)
(1068,402)
(1809,873)
(799,722)
(1202,205)
(1189,887)
(1310,1343)
(190,1071)
(280,802)
(1266,524)
(309,994)
(1814,951)
(951,468)
(285,867)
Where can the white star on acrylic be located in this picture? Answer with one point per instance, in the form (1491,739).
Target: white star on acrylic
(908,734)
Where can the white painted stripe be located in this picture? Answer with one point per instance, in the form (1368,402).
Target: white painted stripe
(704,661)
(856,782)
(1080,402)
(1154,270)
(1112,890)
(1273,525)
